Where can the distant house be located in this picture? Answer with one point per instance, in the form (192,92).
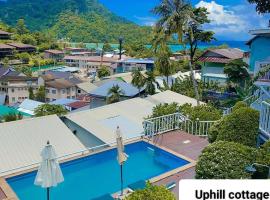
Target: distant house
(16,87)
(6,50)
(85,88)
(20,47)
(128,65)
(28,106)
(214,61)
(100,94)
(60,88)
(259,49)
(5,35)
(56,55)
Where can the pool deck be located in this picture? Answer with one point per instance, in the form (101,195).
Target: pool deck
(184,144)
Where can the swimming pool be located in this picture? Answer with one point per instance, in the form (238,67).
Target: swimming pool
(99,174)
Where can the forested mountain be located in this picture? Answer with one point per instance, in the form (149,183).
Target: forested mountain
(78,20)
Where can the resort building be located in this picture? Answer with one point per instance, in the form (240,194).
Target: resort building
(5,35)
(16,87)
(20,47)
(128,65)
(6,50)
(60,88)
(53,54)
(214,61)
(260,61)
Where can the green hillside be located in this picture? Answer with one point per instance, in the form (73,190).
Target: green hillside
(78,20)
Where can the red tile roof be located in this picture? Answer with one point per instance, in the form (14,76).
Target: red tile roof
(214,59)
(54,51)
(78,104)
(4,46)
(21,45)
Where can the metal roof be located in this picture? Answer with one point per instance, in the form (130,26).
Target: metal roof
(28,106)
(86,86)
(172,97)
(22,141)
(102,121)
(128,115)
(128,89)
(63,101)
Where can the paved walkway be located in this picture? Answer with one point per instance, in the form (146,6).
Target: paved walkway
(185,144)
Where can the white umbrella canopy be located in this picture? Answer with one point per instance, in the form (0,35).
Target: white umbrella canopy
(122,156)
(49,173)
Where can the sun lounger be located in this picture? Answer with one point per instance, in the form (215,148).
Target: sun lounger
(104,197)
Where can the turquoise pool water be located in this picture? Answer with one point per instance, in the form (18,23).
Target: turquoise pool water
(99,174)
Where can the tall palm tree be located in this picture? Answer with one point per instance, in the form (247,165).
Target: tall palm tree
(163,63)
(114,94)
(150,82)
(175,17)
(138,79)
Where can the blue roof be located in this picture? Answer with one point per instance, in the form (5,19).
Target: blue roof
(128,89)
(140,61)
(63,101)
(29,104)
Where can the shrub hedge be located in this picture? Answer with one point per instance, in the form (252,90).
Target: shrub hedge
(225,160)
(240,126)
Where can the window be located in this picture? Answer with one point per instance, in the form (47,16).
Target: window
(79,91)
(68,97)
(12,90)
(73,97)
(47,99)
(63,91)
(54,91)
(13,99)
(47,91)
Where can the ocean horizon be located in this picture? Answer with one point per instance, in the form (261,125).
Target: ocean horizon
(177,47)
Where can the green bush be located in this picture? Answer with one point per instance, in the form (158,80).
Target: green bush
(239,104)
(214,131)
(240,126)
(202,112)
(164,109)
(152,192)
(225,160)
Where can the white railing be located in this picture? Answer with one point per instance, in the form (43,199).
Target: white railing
(176,121)
(249,100)
(265,119)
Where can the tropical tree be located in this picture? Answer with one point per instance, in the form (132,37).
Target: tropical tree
(138,79)
(31,93)
(103,72)
(21,28)
(262,6)
(163,63)
(41,94)
(12,117)
(107,47)
(49,109)
(150,82)
(178,17)
(237,71)
(114,94)
(152,192)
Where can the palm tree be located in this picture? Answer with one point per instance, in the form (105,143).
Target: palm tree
(175,16)
(138,79)
(163,63)
(114,94)
(150,82)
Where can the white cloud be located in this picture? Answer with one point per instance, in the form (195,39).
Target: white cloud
(232,23)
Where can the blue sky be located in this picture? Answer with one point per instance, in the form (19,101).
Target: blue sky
(230,19)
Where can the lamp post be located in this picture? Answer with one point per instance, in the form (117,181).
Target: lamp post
(252,168)
(121,39)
